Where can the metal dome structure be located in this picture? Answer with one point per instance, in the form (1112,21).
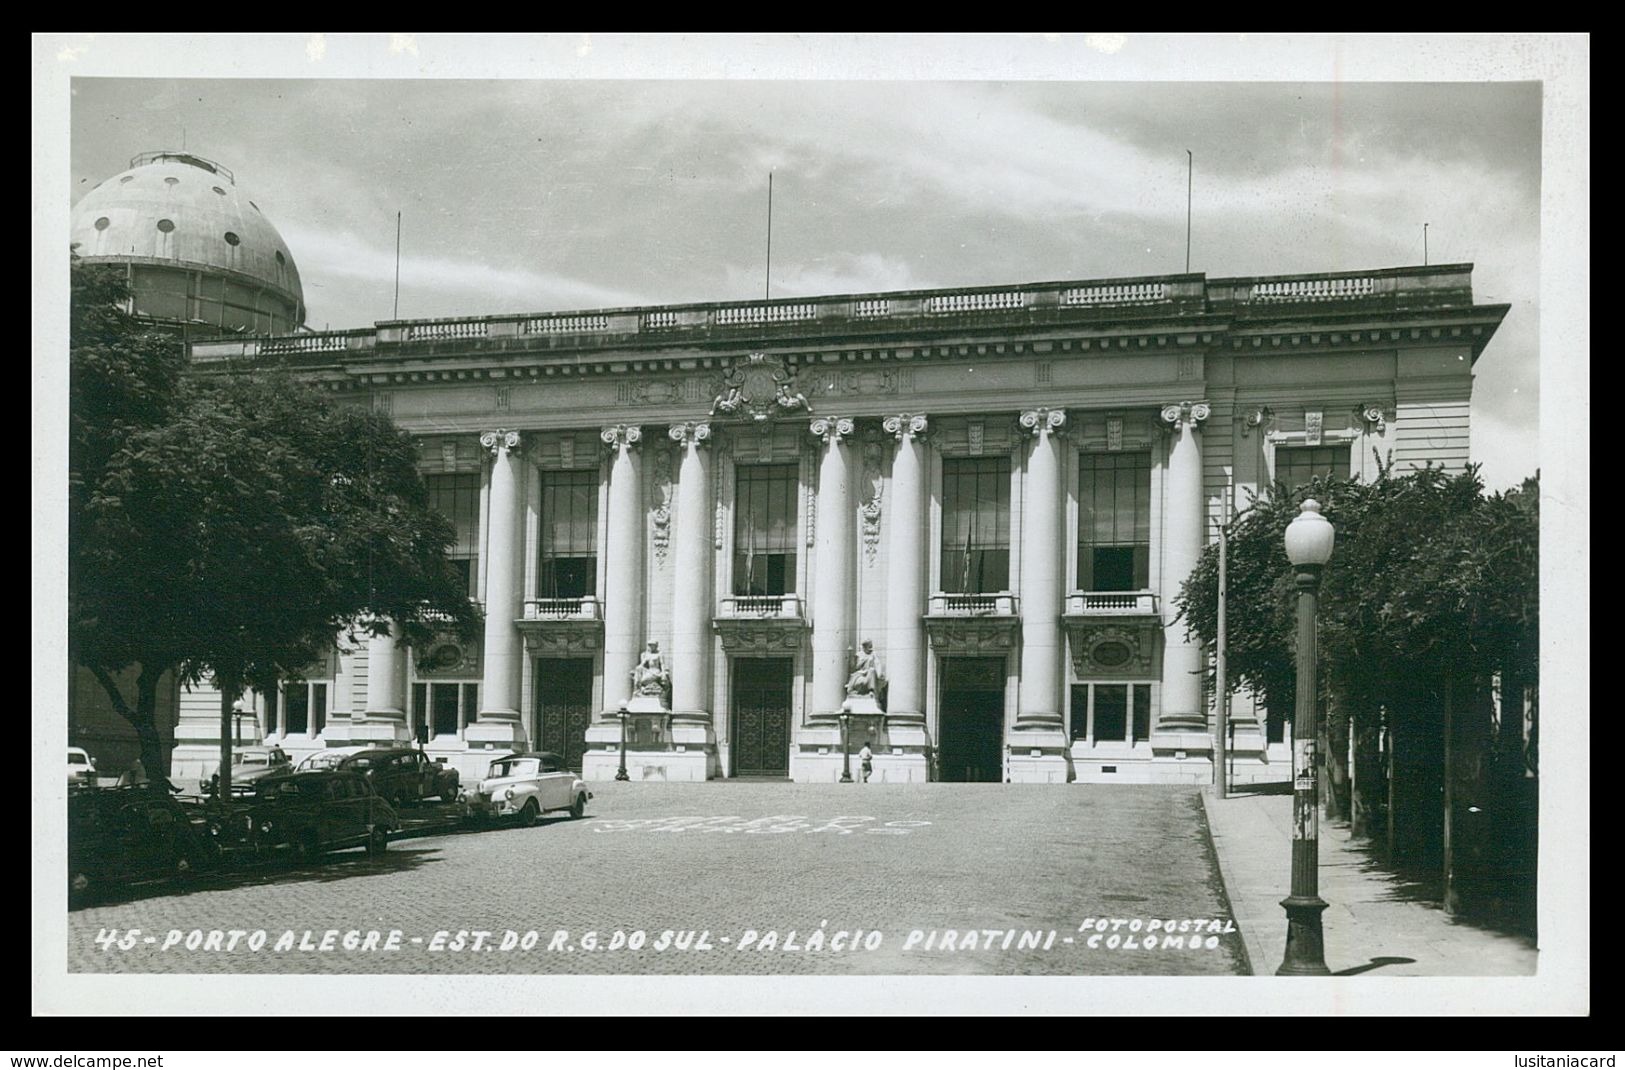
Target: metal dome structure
(200,255)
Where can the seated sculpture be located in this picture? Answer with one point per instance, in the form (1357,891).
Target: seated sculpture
(865,678)
(650,676)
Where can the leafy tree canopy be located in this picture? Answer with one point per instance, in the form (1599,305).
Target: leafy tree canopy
(231,524)
(1429,574)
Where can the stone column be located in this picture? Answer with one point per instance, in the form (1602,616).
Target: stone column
(691,597)
(499,704)
(1043,531)
(905,573)
(385,716)
(832,563)
(1182,538)
(623,594)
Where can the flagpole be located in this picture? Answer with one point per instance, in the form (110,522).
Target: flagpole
(397,313)
(1190,168)
(767,289)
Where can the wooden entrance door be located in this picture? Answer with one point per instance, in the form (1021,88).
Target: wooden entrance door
(564,706)
(761,716)
(970,737)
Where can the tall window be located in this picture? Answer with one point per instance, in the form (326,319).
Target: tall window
(458,497)
(1111,713)
(765,529)
(976,525)
(305,706)
(1114,522)
(1297,465)
(448,708)
(569,535)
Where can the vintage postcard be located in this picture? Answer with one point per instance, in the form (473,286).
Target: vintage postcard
(883,524)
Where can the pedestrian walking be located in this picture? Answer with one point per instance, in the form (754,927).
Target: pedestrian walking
(866,761)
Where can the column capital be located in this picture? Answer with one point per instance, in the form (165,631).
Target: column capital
(618,435)
(905,425)
(832,429)
(500,441)
(696,433)
(1185,413)
(1042,421)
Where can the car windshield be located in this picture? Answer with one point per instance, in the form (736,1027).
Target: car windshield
(78,759)
(515,767)
(246,758)
(322,760)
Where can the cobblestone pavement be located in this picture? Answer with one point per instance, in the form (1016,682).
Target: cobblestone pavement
(726,878)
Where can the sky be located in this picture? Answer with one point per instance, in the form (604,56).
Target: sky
(522,195)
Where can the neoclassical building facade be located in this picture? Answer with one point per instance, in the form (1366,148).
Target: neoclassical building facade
(699,515)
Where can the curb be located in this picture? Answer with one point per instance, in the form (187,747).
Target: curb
(1249,939)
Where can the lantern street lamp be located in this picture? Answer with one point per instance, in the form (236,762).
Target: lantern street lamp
(238,709)
(621,773)
(1309,540)
(846,751)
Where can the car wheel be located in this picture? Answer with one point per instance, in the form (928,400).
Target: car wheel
(184,868)
(377,840)
(579,807)
(529,814)
(79,887)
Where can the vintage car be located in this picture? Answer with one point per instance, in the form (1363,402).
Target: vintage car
(119,836)
(404,774)
(251,764)
(314,813)
(81,770)
(526,786)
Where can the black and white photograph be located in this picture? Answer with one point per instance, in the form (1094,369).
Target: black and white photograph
(1022,524)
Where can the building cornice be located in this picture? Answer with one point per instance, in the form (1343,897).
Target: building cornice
(1399,306)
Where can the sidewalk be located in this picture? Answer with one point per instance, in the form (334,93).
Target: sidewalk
(1370,926)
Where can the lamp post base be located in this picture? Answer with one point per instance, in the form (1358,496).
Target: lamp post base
(1305,945)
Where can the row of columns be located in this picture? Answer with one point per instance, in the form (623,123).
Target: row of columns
(1043,544)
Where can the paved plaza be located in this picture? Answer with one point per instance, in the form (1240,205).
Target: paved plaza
(725,877)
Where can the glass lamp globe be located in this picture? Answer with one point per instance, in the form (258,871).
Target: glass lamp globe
(1310,536)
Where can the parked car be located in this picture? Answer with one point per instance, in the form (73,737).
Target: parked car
(118,836)
(526,786)
(331,758)
(252,764)
(404,774)
(314,813)
(81,770)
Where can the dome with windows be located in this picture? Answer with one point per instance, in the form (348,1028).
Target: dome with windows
(200,254)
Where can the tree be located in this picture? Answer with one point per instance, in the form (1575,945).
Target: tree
(236,526)
(1434,588)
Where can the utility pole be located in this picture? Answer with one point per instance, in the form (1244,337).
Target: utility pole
(1221,686)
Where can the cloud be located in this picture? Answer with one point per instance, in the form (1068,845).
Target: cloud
(456,286)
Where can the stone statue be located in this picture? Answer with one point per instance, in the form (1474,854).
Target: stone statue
(865,678)
(650,677)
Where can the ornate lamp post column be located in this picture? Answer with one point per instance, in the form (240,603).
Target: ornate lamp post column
(621,773)
(1309,540)
(846,751)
